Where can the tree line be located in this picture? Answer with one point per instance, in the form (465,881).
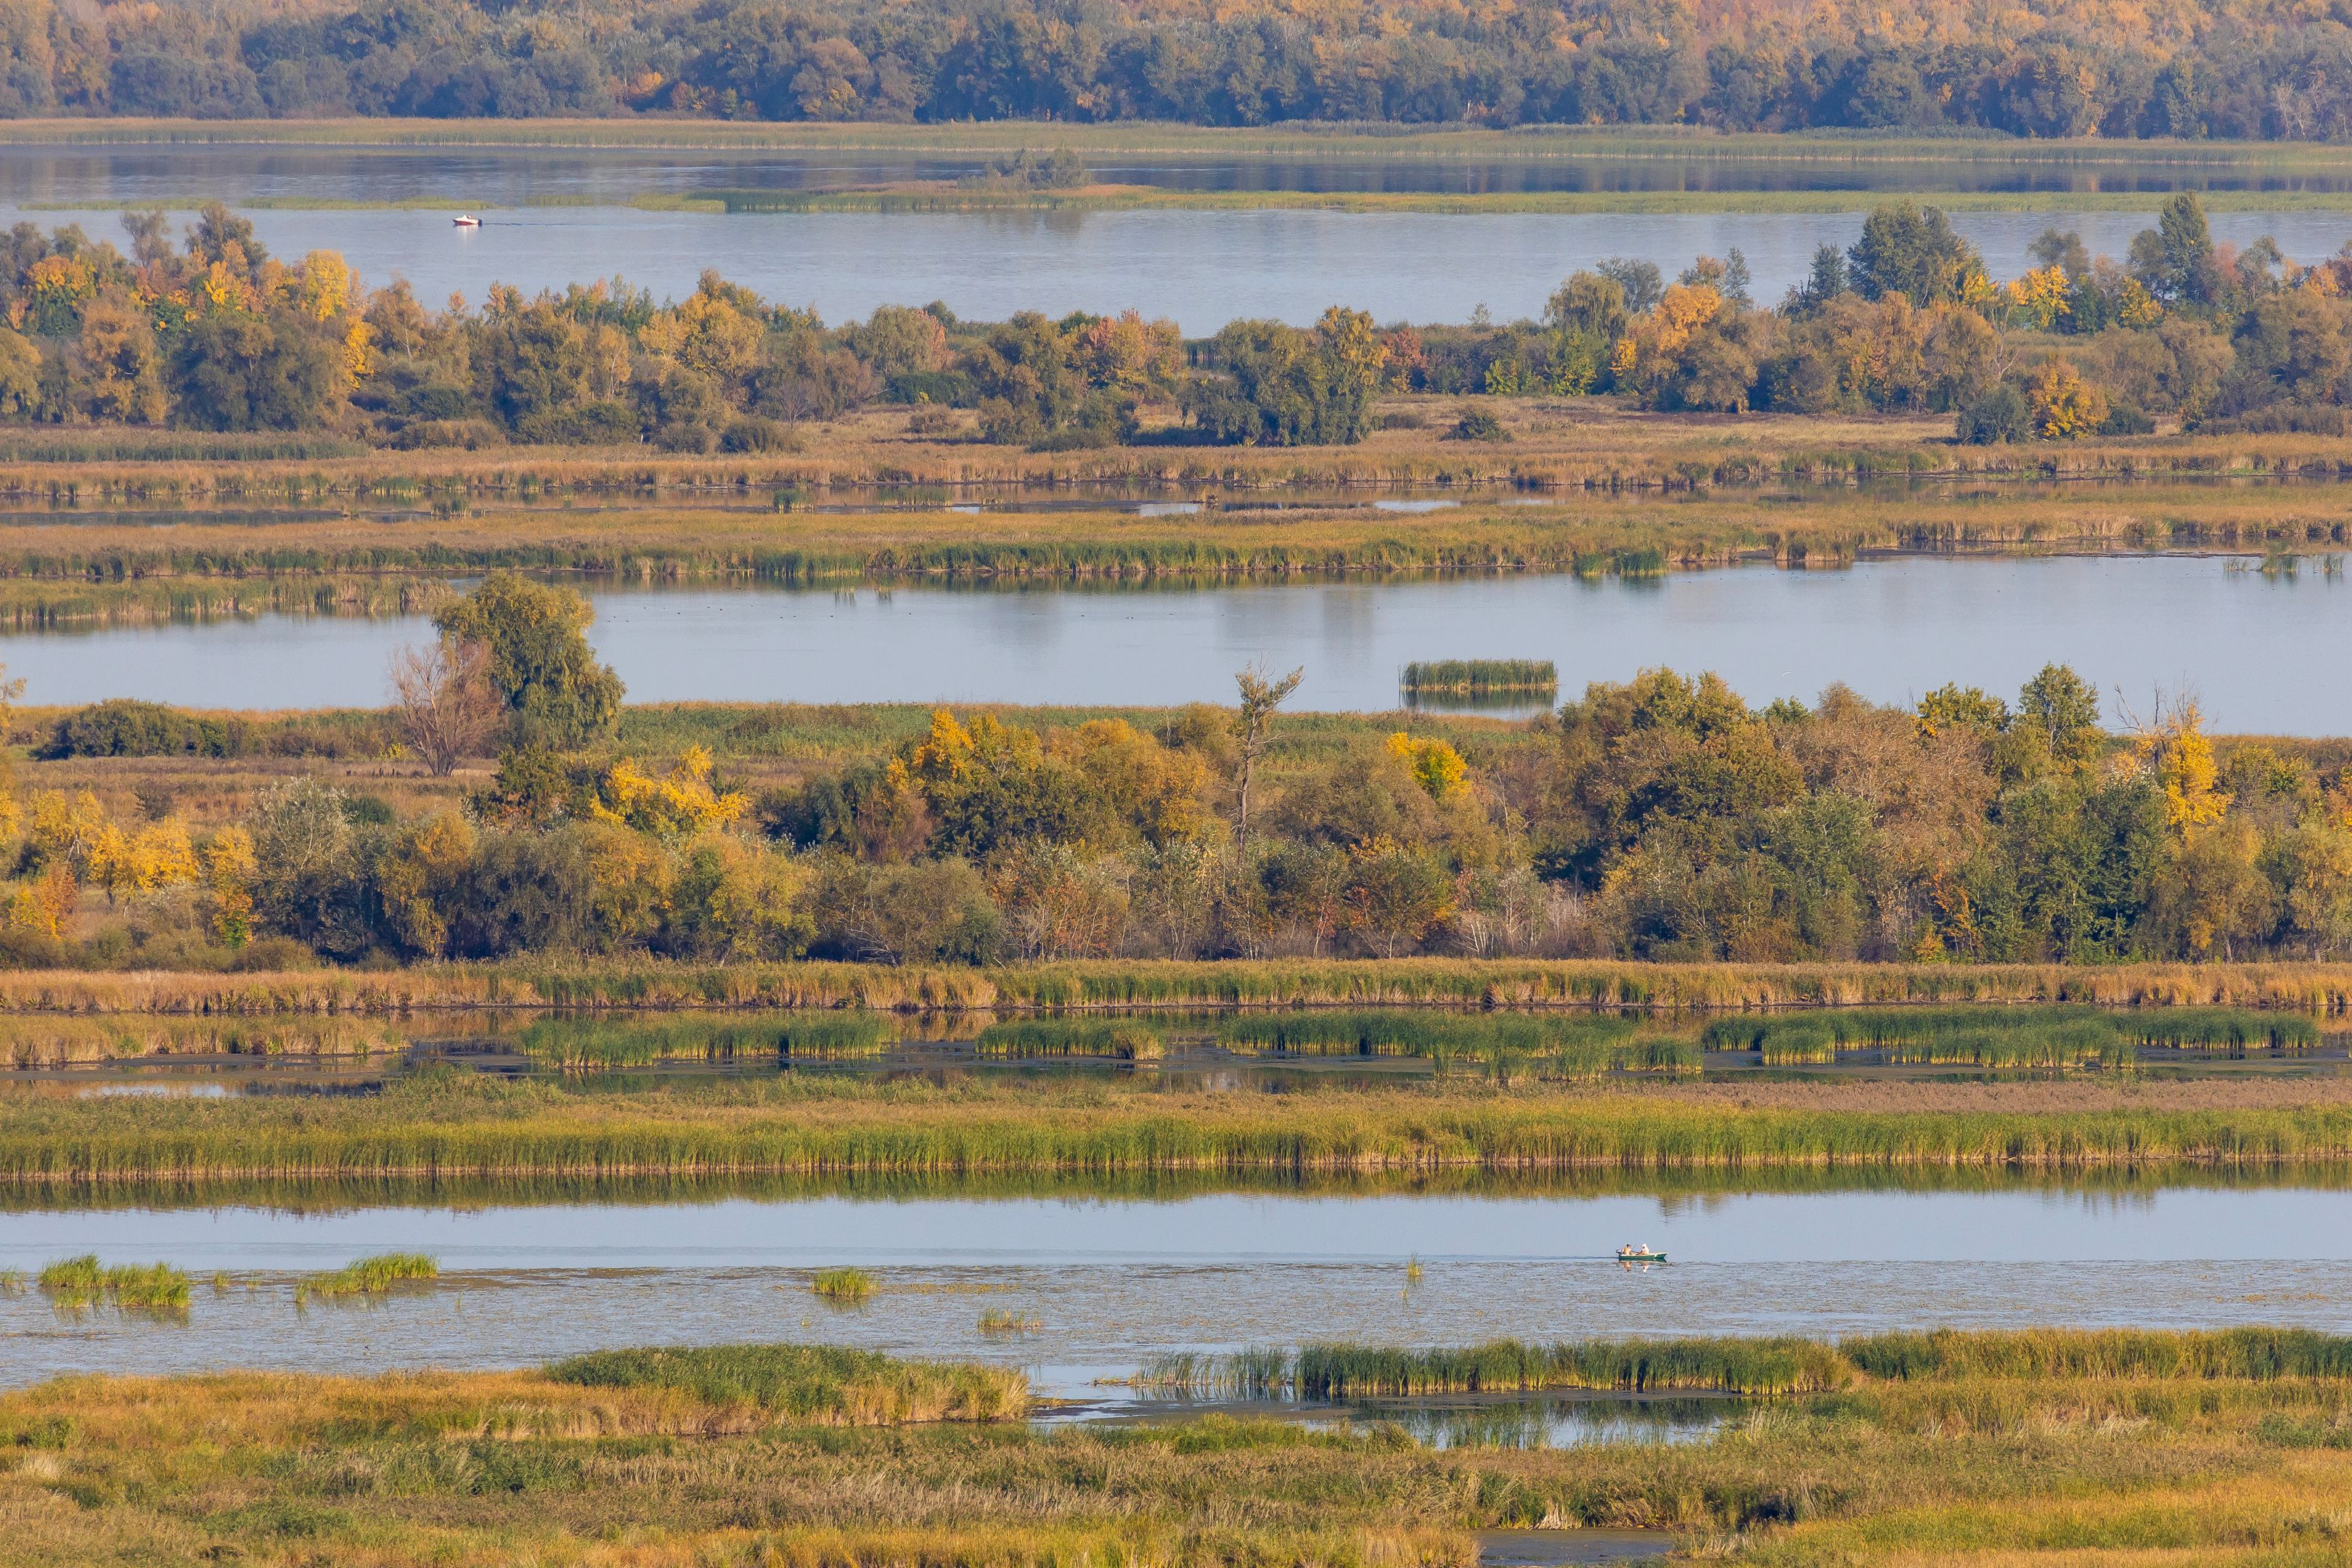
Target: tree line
(214,334)
(2262,70)
(1662,818)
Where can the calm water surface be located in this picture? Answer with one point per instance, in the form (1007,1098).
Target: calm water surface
(1116,1281)
(1201,268)
(1891,628)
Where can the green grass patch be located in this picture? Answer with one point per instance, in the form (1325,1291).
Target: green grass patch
(84,1282)
(824,1383)
(1479,677)
(1506,1045)
(2007,1037)
(376,1276)
(1121,1040)
(844,1285)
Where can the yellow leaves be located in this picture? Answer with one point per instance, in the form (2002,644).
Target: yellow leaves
(1435,766)
(326,287)
(1129,354)
(1657,337)
(2182,757)
(2136,306)
(680,805)
(2039,298)
(706,334)
(68,279)
(229,871)
(2065,406)
(44,904)
(359,349)
(226,289)
(945,753)
(426,862)
(74,838)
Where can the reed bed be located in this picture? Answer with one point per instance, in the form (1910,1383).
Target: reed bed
(1119,1039)
(84,1281)
(606,1044)
(1772,1367)
(822,1384)
(2320,990)
(1474,677)
(1094,1130)
(2007,1037)
(1510,1047)
(376,1276)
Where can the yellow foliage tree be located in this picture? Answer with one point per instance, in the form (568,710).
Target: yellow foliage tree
(2039,298)
(1435,766)
(131,865)
(676,806)
(229,871)
(2066,407)
(2183,759)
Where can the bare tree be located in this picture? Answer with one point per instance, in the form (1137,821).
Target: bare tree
(1260,696)
(447,711)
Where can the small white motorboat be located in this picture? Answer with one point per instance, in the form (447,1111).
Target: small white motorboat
(466,220)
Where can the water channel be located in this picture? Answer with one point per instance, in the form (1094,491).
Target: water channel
(1200,269)
(1891,628)
(1112,1281)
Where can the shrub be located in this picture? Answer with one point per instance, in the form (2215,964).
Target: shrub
(121,727)
(1472,423)
(1999,416)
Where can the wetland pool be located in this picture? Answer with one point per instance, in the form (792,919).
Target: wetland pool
(1893,628)
(1112,1282)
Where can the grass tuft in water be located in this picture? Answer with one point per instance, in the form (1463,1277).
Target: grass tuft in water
(1122,1040)
(365,1277)
(997,1320)
(84,1281)
(843,1285)
(1479,677)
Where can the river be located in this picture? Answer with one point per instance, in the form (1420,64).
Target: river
(1891,628)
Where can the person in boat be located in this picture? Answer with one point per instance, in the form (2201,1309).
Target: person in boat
(1630,1252)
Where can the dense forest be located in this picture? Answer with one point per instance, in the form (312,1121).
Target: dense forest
(212,333)
(2256,70)
(1663,818)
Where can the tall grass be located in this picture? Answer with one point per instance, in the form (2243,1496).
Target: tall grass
(1507,1046)
(2314,988)
(821,1383)
(468,1129)
(840,1286)
(1479,677)
(84,1281)
(2006,1036)
(375,1275)
(1120,1039)
(1775,1366)
(603,1043)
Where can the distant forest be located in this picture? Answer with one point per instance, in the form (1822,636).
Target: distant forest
(2241,68)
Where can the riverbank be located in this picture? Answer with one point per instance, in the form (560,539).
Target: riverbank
(450,1125)
(2323,989)
(2044,1446)
(1564,448)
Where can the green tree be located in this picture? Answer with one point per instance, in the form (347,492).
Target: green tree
(540,663)
(2174,260)
(231,370)
(1912,251)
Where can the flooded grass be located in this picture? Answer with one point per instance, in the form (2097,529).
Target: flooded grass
(844,1287)
(2008,1038)
(1118,1039)
(373,1276)
(84,1281)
